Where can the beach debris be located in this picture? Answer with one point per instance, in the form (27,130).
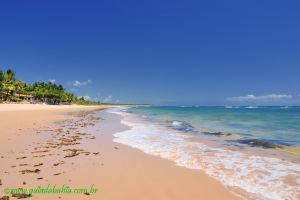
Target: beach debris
(37,165)
(59,163)
(116,148)
(13,166)
(86,153)
(73,152)
(21,195)
(71,140)
(4,198)
(96,153)
(57,174)
(56,164)
(24,183)
(82,134)
(23,165)
(40,178)
(86,193)
(0,182)
(21,157)
(42,151)
(40,156)
(25,171)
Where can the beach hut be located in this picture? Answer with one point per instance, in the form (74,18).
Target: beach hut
(25,97)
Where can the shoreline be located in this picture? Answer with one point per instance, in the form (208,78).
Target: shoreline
(244,171)
(155,177)
(118,171)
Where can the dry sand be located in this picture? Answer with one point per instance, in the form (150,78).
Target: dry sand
(41,145)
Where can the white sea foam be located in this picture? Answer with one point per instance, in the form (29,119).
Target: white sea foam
(176,123)
(251,107)
(260,177)
(285,107)
(232,107)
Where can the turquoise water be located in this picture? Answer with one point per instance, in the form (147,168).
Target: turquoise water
(235,145)
(275,124)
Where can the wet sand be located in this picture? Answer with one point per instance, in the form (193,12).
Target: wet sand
(41,145)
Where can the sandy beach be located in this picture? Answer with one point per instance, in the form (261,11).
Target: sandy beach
(150,100)
(72,145)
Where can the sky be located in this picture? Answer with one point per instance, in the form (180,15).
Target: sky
(162,52)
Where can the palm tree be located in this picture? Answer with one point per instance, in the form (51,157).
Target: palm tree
(8,83)
(50,93)
(1,83)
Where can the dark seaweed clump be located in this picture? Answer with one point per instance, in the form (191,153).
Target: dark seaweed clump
(259,143)
(217,133)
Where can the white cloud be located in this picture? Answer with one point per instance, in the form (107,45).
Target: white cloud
(81,83)
(52,80)
(86,97)
(263,98)
(108,99)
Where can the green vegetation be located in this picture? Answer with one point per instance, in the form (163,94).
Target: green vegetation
(14,90)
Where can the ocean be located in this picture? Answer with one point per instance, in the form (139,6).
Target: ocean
(253,151)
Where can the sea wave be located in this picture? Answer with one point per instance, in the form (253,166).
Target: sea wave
(252,176)
(181,126)
(230,107)
(285,107)
(251,107)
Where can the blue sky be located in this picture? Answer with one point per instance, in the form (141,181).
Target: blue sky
(167,52)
